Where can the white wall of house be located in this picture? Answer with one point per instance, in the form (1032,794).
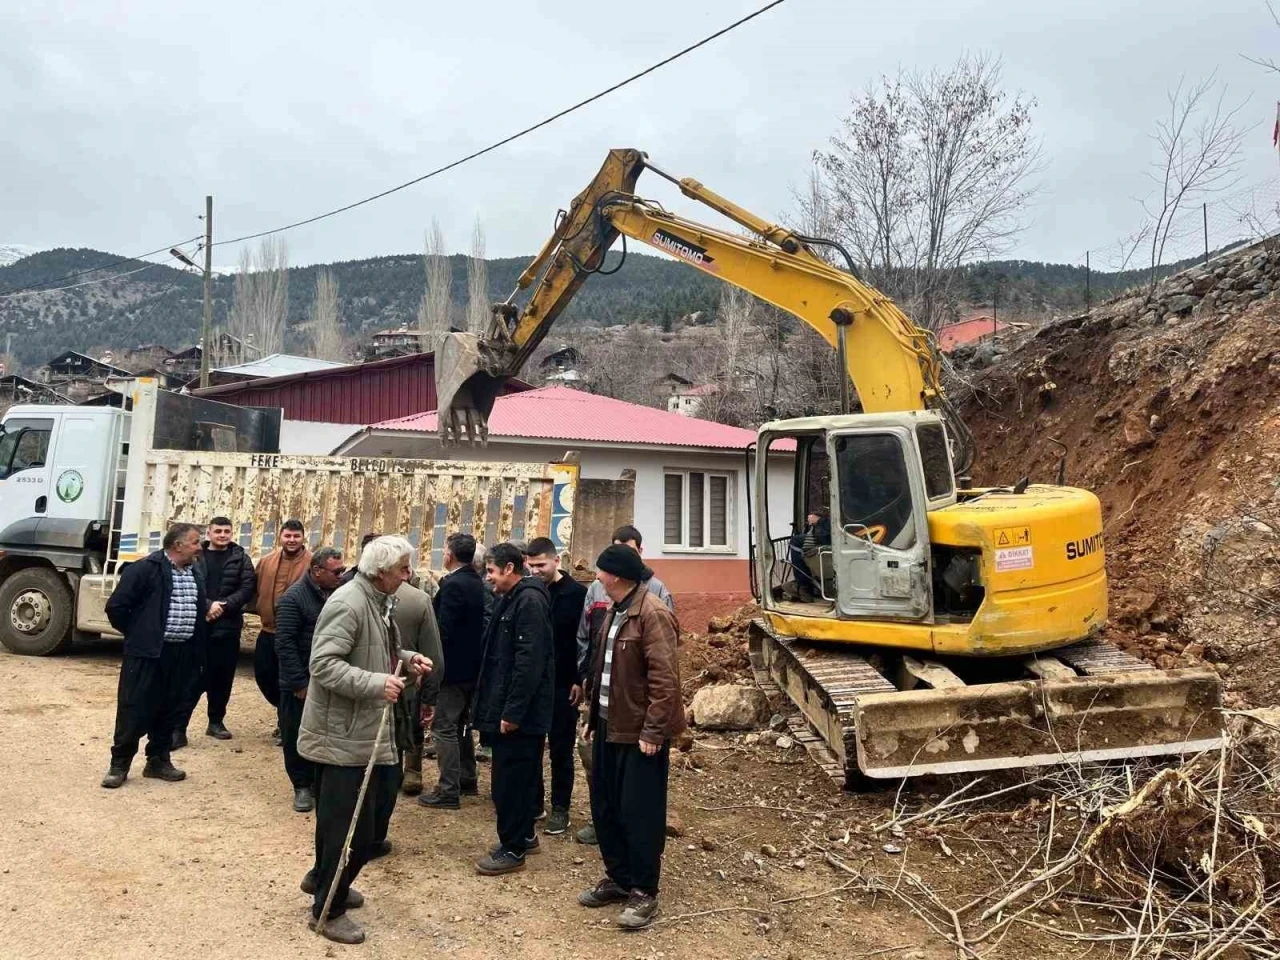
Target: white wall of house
(607,462)
(303,436)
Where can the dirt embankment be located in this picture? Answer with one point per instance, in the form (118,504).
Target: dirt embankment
(1167,404)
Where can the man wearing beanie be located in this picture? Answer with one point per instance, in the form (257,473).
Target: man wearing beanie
(634,712)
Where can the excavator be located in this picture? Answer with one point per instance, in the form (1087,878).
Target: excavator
(938,628)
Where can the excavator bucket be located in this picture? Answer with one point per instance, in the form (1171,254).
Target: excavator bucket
(466,387)
(1029,723)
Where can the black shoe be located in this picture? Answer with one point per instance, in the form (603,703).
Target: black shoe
(218,731)
(557,823)
(495,864)
(602,894)
(531,847)
(640,911)
(178,740)
(304,801)
(163,770)
(115,777)
(436,801)
(379,849)
(355,899)
(469,790)
(587,835)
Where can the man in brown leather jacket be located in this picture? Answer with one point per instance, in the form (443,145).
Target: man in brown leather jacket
(634,712)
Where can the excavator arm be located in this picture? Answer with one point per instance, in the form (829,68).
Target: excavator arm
(892,363)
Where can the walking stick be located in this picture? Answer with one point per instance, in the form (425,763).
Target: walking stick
(351,830)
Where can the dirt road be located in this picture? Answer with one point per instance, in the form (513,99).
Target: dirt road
(210,867)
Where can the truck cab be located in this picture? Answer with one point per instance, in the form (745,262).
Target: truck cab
(59,470)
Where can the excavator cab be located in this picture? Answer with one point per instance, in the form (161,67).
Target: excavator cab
(860,491)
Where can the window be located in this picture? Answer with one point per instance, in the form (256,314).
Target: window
(936,460)
(875,489)
(697,510)
(23,445)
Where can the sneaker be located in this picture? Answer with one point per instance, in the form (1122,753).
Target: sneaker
(640,911)
(531,847)
(355,899)
(163,770)
(495,864)
(178,740)
(218,731)
(484,755)
(304,801)
(340,929)
(587,835)
(380,849)
(115,777)
(602,894)
(541,814)
(437,802)
(557,823)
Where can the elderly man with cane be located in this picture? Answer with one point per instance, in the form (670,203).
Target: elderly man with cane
(348,729)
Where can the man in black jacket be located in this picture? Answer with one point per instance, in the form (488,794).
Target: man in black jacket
(460,604)
(296,614)
(230,583)
(513,703)
(159,605)
(567,598)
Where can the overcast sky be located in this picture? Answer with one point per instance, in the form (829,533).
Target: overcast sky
(118,118)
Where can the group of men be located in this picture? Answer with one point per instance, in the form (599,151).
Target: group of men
(513,656)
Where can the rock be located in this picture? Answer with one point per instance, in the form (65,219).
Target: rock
(684,742)
(768,849)
(777,722)
(1182,303)
(891,848)
(725,706)
(719,624)
(751,739)
(675,826)
(708,844)
(785,743)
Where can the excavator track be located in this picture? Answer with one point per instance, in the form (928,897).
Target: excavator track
(1087,701)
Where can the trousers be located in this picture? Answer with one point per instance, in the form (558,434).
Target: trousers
(336,790)
(266,668)
(629,809)
(302,772)
(451,734)
(560,744)
(517,758)
(151,699)
(214,676)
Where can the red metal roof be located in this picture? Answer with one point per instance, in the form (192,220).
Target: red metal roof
(559,413)
(968,331)
(358,393)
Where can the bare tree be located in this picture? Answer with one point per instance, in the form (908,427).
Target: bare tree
(477,283)
(930,171)
(1198,152)
(260,310)
(733,329)
(437,301)
(327,339)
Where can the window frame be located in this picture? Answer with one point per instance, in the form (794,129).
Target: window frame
(730,478)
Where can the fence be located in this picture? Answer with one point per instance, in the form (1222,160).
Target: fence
(1195,233)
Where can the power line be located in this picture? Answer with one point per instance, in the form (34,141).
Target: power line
(513,137)
(108,266)
(86,283)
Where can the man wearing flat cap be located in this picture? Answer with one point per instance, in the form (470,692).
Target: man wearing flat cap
(634,712)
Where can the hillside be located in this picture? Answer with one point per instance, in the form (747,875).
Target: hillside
(149,303)
(161,304)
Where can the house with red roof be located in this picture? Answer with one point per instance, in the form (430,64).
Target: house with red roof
(690,475)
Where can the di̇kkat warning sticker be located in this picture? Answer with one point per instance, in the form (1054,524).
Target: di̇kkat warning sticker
(1014,558)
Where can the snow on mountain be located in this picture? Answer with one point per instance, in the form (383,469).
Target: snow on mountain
(13,252)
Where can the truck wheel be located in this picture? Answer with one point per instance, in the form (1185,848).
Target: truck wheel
(35,612)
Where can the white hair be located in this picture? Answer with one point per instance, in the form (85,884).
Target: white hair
(382,554)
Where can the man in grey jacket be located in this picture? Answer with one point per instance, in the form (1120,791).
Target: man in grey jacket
(354,653)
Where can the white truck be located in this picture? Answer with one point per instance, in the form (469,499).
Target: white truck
(85,490)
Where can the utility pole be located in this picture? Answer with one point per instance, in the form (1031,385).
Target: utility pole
(205,343)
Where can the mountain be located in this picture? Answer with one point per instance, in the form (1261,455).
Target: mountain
(154,303)
(146,303)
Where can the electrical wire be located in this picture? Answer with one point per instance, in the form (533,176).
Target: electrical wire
(513,137)
(79,273)
(86,283)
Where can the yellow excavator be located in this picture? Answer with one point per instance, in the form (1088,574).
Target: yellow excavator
(919,626)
